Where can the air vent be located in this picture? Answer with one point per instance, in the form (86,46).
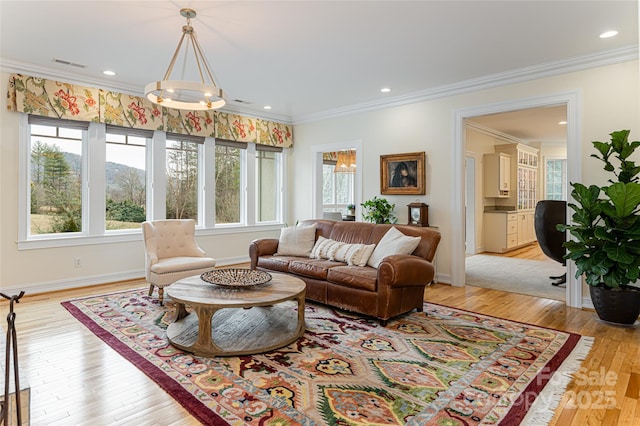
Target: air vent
(68,63)
(240,101)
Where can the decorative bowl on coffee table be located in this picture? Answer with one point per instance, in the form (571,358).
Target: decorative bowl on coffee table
(236,277)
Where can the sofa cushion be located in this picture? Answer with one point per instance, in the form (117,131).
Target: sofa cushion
(393,242)
(296,241)
(276,263)
(361,277)
(313,268)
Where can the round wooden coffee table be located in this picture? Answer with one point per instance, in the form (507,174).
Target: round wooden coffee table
(235,329)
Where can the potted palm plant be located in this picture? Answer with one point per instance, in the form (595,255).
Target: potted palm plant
(378,210)
(606,232)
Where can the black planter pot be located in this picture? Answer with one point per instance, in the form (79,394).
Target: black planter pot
(616,306)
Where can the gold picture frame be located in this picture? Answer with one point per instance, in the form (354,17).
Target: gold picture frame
(402,174)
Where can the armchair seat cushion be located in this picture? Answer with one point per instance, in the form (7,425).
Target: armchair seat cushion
(175,264)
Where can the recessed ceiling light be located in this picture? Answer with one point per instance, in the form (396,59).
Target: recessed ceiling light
(562,122)
(385,90)
(608,34)
(267,107)
(109,73)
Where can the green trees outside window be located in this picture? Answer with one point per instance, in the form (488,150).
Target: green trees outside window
(56,196)
(227,184)
(182,180)
(125,175)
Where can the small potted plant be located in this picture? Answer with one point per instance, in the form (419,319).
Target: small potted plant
(351,208)
(606,232)
(378,210)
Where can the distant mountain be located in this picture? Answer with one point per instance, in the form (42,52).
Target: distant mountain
(111,169)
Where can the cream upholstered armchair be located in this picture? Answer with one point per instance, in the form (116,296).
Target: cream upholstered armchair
(172,253)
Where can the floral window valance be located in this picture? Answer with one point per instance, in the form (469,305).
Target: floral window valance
(49,98)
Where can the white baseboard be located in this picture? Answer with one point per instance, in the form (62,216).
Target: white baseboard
(443,278)
(587,303)
(89,280)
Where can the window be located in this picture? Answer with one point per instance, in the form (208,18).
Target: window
(268,184)
(55,176)
(228,176)
(555,179)
(337,189)
(93,182)
(125,178)
(182,178)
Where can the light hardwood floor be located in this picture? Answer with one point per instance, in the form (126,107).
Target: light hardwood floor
(76,379)
(530,252)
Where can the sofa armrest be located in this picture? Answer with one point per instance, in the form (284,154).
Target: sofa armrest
(405,270)
(261,247)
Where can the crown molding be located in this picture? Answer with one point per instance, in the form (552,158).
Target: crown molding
(12,66)
(494,133)
(610,57)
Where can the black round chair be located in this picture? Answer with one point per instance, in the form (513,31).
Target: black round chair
(548,214)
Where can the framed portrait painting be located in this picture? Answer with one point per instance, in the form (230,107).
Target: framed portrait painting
(402,174)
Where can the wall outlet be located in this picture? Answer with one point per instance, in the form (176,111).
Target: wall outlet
(76,262)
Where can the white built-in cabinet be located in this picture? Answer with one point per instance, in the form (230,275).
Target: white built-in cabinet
(500,232)
(526,230)
(497,175)
(506,229)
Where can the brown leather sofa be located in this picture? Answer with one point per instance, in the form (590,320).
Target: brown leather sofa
(395,287)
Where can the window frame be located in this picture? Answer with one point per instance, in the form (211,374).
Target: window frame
(278,165)
(200,212)
(335,206)
(148,137)
(94,191)
(24,184)
(564,193)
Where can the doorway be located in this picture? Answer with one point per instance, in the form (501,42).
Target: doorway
(571,102)
(511,259)
(318,178)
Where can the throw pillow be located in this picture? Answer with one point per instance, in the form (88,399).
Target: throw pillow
(354,254)
(393,242)
(296,240)
(325,248)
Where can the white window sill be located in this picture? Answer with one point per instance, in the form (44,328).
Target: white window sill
(76,239)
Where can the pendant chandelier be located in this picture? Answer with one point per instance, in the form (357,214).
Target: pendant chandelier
(345,162)
(182,94)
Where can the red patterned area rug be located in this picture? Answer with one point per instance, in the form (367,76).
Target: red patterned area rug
(450,367)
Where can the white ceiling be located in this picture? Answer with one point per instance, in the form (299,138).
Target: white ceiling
(541,124)
(313,59)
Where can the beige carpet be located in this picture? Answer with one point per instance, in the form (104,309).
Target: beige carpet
(515,275)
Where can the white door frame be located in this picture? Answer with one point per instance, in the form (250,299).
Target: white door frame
(470,165)
(573,102)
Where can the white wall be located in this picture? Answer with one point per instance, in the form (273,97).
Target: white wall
(610,101)
(48,269)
